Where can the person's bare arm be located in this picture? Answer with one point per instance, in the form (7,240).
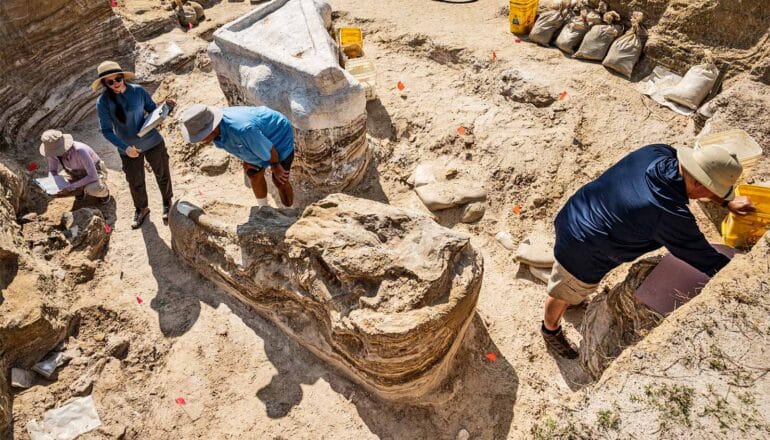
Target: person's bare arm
(740,205)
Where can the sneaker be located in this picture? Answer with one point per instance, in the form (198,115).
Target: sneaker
(166,209)
(559,343)
(139,216)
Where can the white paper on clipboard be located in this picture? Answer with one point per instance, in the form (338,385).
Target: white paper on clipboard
(156,117)
(52,184)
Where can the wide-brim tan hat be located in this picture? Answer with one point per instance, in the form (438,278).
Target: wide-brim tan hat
(198,121)
(55,143)
(108,68)
(713,167)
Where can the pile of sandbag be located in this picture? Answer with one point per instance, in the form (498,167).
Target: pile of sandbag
(588,31)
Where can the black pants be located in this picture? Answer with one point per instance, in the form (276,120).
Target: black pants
(157,157)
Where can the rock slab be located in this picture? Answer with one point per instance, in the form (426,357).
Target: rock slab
(281,55)
(383,294)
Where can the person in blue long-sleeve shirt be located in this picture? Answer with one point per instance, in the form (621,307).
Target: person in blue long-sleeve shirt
(638,205)
(122,109)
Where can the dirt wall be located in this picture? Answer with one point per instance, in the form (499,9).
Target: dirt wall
(51,50)
(680,30)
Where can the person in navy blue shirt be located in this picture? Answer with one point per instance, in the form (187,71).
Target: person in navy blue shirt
(122,109)
(638,205)
(258,136)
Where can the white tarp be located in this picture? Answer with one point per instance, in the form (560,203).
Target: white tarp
(66,422)
(657,84)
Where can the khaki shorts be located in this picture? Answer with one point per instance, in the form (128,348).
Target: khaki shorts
(564,286)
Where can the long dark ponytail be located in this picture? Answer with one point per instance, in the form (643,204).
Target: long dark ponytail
(120,114)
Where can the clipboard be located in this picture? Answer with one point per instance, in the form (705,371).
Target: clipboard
(154,119)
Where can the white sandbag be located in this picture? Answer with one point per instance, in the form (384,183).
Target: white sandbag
(547,24)
(599,39)
(626,50)
(573,32)
(594,16)
(694,86)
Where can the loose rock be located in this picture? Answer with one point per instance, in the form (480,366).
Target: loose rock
(444,195)
(473,212)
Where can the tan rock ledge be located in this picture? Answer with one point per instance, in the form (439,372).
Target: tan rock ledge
(381,293)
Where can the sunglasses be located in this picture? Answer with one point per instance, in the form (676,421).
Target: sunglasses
(110,82)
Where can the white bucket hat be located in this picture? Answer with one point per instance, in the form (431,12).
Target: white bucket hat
(108,68)
(713,167)
(198,121)
(55,143)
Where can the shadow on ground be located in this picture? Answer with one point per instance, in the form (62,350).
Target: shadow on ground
(176,301)
(478,396)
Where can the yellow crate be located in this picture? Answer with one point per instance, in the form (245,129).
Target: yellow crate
(352,41)
(744,231)
(363,71)
(521,15)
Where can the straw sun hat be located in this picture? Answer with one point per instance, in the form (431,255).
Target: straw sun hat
(713,167)
(108,68)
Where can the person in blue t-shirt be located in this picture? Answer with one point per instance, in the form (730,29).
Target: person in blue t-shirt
(122,109)
(258,136)
(637,206)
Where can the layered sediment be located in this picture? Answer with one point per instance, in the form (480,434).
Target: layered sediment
(382,293)
(51,50)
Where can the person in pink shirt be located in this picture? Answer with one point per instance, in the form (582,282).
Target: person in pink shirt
(86,173)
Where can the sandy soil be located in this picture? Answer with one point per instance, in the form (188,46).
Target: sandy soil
(240,376)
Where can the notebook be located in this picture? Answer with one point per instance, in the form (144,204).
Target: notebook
(52,184)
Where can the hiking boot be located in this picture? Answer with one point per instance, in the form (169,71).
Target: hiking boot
(166,209)
(556,341)
(104,200)
(139,216)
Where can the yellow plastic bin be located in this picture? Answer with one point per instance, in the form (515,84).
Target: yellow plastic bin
(352,41)
(737,142)
(363,71)
(521,15)
(744,231)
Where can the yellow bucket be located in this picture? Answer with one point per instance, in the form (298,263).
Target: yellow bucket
(521,15)
(744,231)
